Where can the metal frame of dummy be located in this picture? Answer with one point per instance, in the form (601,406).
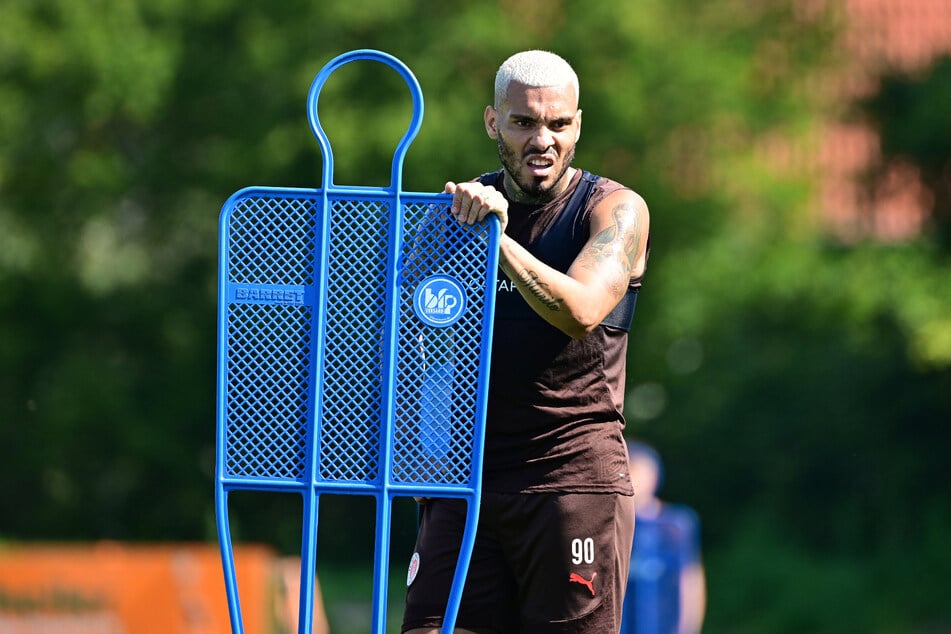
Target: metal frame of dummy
(299,456)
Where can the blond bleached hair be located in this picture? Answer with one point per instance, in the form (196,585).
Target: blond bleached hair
(535,69)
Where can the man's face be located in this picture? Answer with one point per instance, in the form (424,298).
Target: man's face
(536,130)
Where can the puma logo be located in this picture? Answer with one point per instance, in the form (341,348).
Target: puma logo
(576,578)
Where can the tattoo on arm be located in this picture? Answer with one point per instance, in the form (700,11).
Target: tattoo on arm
(539,289)
(614,249)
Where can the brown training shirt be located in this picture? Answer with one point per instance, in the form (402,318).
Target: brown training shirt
(555,404)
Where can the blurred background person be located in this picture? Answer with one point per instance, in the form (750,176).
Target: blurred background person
(666,588)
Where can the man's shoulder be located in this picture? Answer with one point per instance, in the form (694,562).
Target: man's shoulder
(488,178)
(599,179)
(607,188)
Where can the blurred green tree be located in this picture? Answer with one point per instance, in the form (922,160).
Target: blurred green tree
(797,387)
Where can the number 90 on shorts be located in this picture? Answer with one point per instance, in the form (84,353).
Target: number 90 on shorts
(582,551)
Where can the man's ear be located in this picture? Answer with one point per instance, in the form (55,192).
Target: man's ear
(578,133)
(491,122)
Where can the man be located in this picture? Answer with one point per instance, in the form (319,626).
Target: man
(556,521)
(666,591)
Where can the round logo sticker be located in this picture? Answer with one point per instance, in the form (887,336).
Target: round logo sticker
(439,300)
(413,570)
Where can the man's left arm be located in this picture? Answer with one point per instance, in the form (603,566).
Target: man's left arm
(693,583)
(616,250)
(693,598)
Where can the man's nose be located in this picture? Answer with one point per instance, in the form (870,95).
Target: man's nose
(543,138)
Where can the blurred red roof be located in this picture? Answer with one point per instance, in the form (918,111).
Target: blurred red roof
(904,34)
(881,36)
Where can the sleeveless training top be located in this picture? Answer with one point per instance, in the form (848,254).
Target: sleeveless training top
(554,409)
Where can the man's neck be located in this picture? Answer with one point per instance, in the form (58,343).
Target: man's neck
(516,194)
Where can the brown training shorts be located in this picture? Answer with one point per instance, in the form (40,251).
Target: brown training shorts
(541,563)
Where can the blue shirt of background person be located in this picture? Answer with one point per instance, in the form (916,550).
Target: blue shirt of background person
(666,591)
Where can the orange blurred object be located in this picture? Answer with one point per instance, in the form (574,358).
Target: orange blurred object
(112,588)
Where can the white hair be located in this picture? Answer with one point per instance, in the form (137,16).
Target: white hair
(535,69)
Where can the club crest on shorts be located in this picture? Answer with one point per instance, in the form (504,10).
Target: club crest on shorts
(413,570)
(439,300)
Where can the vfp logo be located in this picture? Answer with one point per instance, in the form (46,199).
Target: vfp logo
(439,301)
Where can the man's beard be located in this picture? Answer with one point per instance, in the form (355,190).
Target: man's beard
(534,190)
